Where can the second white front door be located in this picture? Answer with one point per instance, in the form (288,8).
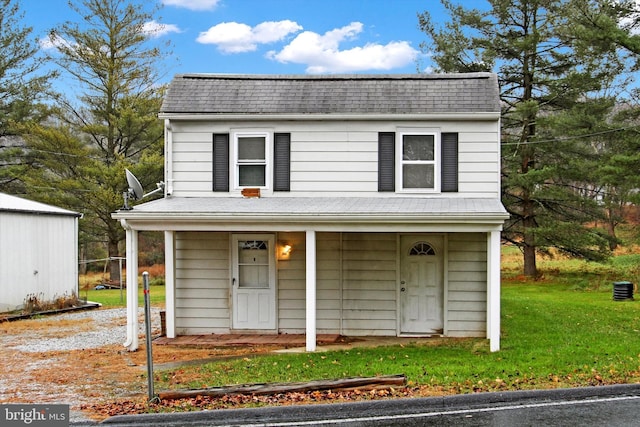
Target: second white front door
(421,285)
(254,293)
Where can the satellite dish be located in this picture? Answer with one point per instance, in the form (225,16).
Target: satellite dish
(135,190)
(134,185)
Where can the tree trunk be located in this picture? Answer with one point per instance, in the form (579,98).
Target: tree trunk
(530,267)
(528,218)
(82,269)
(611,228)
(114,264)
(528,225)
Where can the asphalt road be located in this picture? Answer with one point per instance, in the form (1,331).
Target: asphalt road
(593,406)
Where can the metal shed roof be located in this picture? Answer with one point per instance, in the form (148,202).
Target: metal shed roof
(332,94)
(10,203)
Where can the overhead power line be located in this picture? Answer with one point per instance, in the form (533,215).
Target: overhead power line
(568,138)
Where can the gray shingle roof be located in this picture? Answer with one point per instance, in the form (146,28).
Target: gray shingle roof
(332,94)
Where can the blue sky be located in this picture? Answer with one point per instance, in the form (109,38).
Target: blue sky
(278,36)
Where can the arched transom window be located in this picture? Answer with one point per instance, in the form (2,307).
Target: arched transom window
(422,248)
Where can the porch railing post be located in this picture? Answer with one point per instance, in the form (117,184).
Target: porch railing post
(311,290)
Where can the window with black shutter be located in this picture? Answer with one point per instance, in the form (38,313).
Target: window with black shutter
(220,162)
(282,162)
(449,162)
(424,165)
(386,161)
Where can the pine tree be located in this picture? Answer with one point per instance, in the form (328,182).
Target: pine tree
(113,120)
(546,78)
(22,85)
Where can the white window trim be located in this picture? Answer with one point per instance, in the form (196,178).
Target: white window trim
(268,152)
(400,162)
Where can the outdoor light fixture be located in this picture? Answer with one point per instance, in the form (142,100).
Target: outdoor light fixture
(285,251)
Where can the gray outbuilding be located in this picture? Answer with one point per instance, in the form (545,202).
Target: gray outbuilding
(38,252)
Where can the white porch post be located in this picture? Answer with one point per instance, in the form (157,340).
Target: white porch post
(311,290)
(170,283)
(132,289)
(493,290)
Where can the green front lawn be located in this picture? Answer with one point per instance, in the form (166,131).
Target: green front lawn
(111,298)
(554,334)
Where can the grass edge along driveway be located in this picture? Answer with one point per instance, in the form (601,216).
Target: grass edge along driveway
(553,335)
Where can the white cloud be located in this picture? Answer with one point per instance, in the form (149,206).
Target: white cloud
(156,29)
(233,37)
(322,54)
(150,29)
(193,4)
(53,41)
(269,32)
(632,21)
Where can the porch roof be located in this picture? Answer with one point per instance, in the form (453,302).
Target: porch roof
(278,212)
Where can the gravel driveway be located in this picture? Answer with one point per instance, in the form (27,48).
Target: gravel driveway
(73,358)
(109,327)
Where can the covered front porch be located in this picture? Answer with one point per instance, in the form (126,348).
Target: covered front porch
(358,300)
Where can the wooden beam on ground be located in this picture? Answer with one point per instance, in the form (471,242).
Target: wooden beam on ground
(360,383)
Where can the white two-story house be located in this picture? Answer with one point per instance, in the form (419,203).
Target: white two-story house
(353,204)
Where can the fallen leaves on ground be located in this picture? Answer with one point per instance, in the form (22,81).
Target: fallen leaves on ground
(87,377)
(199,403)
(109,381)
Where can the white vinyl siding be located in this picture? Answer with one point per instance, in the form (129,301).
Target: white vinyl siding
(291,284)
(356,284)
(192,162)
(479,162)
(467,287)
(369,284)
(202,283)
(336,158)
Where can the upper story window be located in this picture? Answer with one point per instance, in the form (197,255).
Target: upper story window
(418,164)
(251,160)
(418,161)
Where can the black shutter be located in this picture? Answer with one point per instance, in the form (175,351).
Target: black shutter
(449,163)
(220,162)
(386,161)
(281,162)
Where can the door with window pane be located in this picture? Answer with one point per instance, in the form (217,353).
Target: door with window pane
(254,303)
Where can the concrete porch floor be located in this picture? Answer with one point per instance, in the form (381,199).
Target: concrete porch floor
(247,340)
(288,342)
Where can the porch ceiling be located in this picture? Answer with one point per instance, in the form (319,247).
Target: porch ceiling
(321,213)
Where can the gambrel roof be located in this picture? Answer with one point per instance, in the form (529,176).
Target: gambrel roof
(332,94)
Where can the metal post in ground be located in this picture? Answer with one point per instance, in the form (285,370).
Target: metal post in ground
(147,322)
(120,267)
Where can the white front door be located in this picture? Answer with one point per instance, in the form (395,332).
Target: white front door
(421,285)
(254,294)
